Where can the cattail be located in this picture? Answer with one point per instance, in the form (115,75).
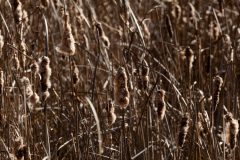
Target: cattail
(34,68)
(20,150)
(218,81)
(99,28)
(232,128)
(201,125)
(105,41)
(25,17)
(67,45)
(160,103)
(176,12)
(45,3)
(214,31)
(1,82)
(1,43)
(34,98)
(111,113)
(121,93)
(169,26)
(184,126)
(17,11)
(27,86)
(16,63)
(145,74)
(75,76)
(189,57)
(45,72)
(220,3)
(23,49)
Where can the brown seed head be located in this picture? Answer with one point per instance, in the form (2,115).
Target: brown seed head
(184,126)
(121,93)
(160,103)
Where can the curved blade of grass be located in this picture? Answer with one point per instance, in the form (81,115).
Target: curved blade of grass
(98,125)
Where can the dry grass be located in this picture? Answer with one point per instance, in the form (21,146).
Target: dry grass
(119,79)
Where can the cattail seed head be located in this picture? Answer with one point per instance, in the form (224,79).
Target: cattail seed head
(34,68)
(176,12)
(121,93)
(34,98)
(218,81)
(189,57)
(16,63)
(45,72)
(160,103)
(27,86)
(111,113)
(99,29)
(1,43)
(1,82)
(105,41)
(232,128)
(75,77)
(220,3)
(67,45)
(145,74)
(45,3)
(184,126)
(23,49)
(17,11)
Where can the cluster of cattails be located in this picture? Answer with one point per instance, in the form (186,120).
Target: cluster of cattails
(67,45)
(104,39)
(232,128)
(169,26)
(75,76)
(160,103)
(1,43)
(45,73)
(111,113)
(121,93)
(189,55)
(218,82)
(145,74)
(184,126)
